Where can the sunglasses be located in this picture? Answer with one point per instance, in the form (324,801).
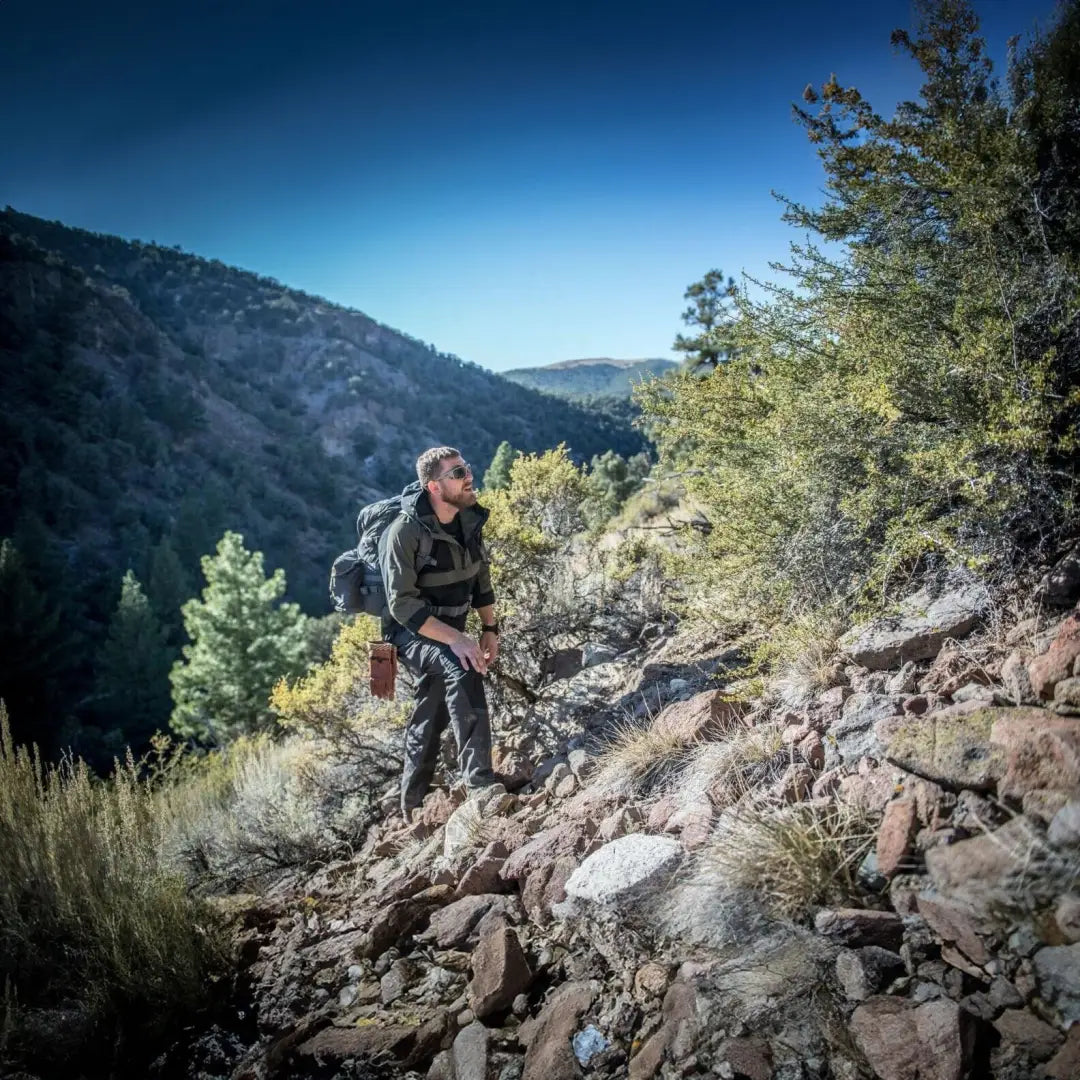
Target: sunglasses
(458,472)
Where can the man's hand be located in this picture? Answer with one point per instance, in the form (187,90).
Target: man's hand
(489,646)
(469,653)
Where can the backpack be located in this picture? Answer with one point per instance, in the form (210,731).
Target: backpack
(356,583)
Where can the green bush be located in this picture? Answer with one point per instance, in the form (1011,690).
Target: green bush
(909,399)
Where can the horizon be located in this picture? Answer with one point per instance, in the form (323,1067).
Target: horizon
(519,188)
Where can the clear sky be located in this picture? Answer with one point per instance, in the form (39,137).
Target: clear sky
(516,182)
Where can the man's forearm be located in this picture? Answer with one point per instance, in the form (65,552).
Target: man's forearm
(487,614)
(439,631)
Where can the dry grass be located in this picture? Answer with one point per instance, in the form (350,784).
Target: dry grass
(91,912)
(749,758)
(641,760)
(792,858)
(803,650)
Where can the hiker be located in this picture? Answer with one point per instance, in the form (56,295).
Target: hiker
(427,621)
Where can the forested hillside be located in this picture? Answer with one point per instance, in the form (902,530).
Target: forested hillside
(154,399)
(589,378)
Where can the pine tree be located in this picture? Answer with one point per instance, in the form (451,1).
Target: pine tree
(168,586)
(498,472)
(242,642)
(132,674)
(710,315)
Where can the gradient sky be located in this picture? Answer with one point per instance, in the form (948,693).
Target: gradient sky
(517,183)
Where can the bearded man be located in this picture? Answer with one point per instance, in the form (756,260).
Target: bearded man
(428,608)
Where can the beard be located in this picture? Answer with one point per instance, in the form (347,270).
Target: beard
(462,500)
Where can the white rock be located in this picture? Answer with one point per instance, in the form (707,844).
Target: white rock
(625,869)
(470,1052)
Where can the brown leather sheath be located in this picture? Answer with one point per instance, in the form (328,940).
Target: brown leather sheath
(383,670)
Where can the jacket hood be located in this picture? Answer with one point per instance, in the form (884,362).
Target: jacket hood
(416,503)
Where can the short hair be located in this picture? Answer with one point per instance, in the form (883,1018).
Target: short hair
(427,464)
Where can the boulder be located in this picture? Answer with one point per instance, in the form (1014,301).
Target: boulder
(955,922)
(1065,1064)
(469,1053)
(865,972)
(904,1041)
(500,972)
(483,875)
(918,630)
(568,838)
(625,870)
(452,926)
(951,747)
(982,862)
(1033,1036)
(1061,584)
(679,1019)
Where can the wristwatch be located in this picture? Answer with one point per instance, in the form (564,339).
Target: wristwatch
(493,628)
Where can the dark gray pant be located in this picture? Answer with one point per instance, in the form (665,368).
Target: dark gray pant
(445,694)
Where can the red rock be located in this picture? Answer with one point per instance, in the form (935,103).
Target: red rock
(896,836)
(483,875)
(546,886)
(549,1055)
(704,716)
(1042,751)
(750,1057)
(568,838)
(987,859)
(500,973)
(452,926)
(795,733)
(812,750)
(679,1012)
(953,922)
(437,808)
(794,784)
(871,792)
(905,1042)
(1057,662)
(660,813)
(514,770)
(1065,1064)
(1034,1036)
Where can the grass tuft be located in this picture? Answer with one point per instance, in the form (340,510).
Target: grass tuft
(640,761)
(793,858)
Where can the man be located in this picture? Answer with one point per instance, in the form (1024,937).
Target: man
(427,621)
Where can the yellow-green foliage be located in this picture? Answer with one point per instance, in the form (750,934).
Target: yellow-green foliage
(334,697)
(89,909)
(908,400)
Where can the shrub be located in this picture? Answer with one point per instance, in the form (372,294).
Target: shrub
(641,760)
(748,758)
(91,910)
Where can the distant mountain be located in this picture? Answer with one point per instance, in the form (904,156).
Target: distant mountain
(152,399)
(587,378)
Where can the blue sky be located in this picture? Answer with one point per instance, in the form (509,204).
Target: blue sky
(517,183)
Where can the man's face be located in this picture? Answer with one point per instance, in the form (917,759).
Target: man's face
(457,490)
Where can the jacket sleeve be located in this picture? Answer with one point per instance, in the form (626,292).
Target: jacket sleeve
(482,594)
(397,561)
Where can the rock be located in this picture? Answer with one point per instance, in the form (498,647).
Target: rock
(442,1067)
(625,870)
(794,784)
(1064,828)
(651,981)
(679,1013)
(865,972)
(337,1044)
(1035,1037)
(483,875)
(569,838)
(451,927)
(951,747)
(1014,674)
(1065,1064)
(853,736)
(693,823)
(593,655)
(827,784)
(1041,751)
(469,1053)
(983,861)
(581,762)
(871,791)
(896,835)
(855,927)
(812,750)
(561,772)
(396,981)
(918,630)
(512,768)
(396,921)
(660,813)
(1047,670)
(616,824)
(1067,696)
(562,664)
(1042,805)
(749,1057)
(900,1041)
(545,887)
(704,716)
(549,1054)
(500,973)
(1057,974)
(956,923)
(1061,584)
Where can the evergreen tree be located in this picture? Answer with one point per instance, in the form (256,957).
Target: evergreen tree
(710,315)
(242,642)
(498,472)
(132,675)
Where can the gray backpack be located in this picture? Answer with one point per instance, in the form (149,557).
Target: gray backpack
(356,583)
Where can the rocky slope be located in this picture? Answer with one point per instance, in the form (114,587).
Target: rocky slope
(595,923)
